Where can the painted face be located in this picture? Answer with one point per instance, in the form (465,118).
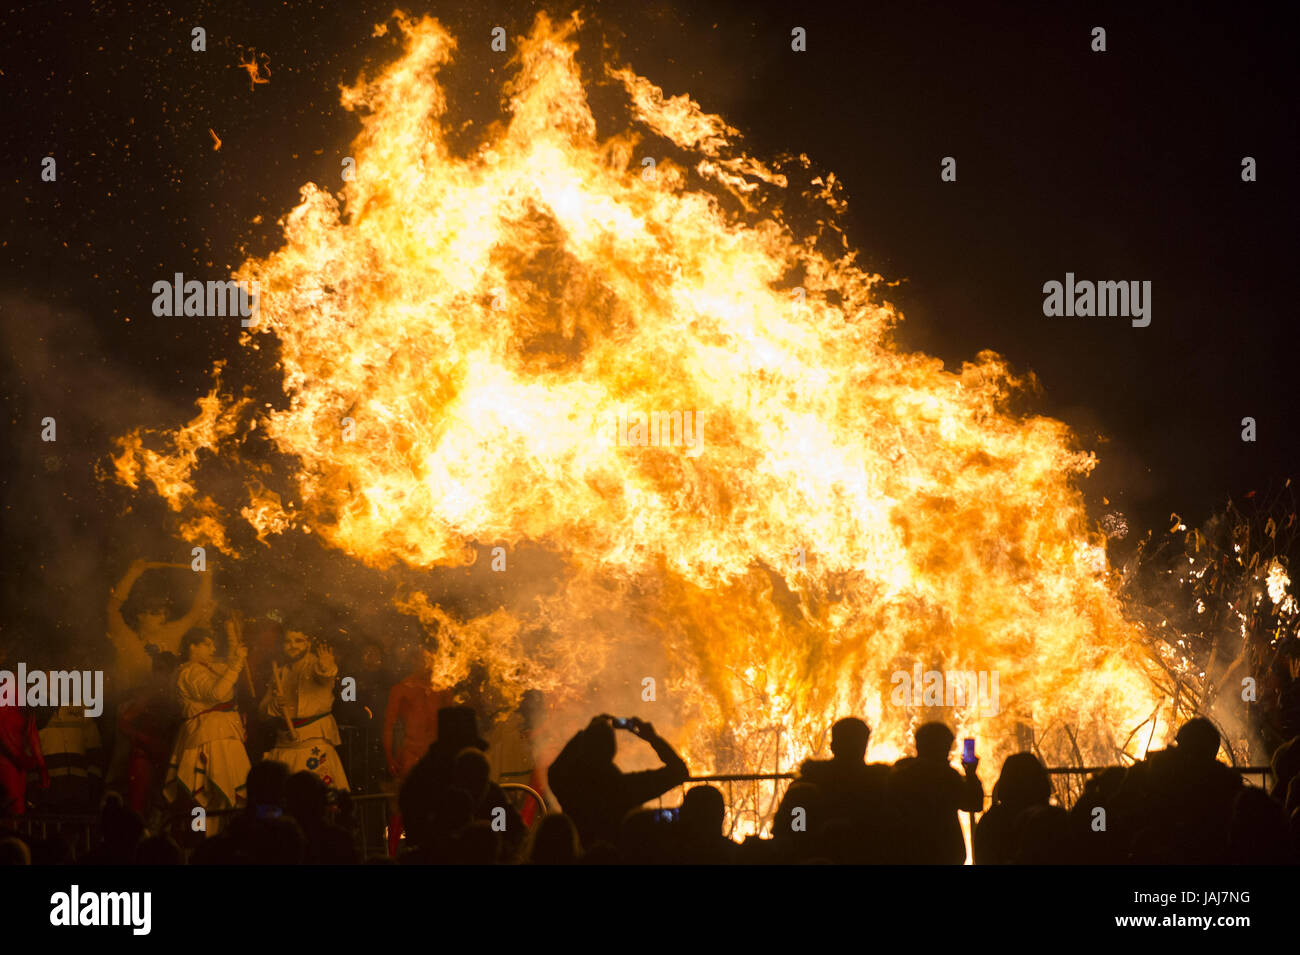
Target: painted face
(295,644)
(151,620)
(203,651)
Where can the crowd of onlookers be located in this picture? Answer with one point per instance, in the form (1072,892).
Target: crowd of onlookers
(266,753)
(1179,805)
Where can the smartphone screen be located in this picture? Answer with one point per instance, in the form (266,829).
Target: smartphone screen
(968,750)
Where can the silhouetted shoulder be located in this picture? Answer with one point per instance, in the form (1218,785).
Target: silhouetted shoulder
(815,770)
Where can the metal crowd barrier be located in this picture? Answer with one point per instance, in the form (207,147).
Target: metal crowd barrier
(39,826)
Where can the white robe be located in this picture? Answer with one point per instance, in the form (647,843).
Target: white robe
(309,694)
(209,762)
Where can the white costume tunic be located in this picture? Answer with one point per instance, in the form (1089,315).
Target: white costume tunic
(209,762)
(309,693)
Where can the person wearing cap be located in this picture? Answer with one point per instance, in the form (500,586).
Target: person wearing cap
(413,708)
(432,775)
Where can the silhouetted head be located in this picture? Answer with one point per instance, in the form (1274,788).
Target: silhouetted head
(703,812)
(458,728)
(554,841)
(934,741)
(849,738)
(306,798)
(1286,767)
(1024,782)
(600,744)
(266,782)
(471,772)
(1199,740)
(13,851)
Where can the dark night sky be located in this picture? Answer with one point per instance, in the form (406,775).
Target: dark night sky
(1122,165)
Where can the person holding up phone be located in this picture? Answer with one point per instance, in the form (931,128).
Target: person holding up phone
(928,793)
(594,792)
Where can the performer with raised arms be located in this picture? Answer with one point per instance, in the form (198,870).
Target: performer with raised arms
(209,763)
(302,694)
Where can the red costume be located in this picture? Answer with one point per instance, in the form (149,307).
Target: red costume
(414,704)
(143,721)
(20,750)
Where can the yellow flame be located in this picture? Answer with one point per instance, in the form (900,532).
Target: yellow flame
(490,321)
(1278,581)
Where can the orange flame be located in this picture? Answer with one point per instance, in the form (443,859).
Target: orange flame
(253,68)
(491,324)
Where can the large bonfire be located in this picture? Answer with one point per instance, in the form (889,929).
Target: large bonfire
(471,339)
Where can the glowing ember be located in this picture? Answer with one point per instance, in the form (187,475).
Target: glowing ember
(495,324)
(1278,581)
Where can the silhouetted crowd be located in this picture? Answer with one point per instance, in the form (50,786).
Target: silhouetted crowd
(1180,805)
(264,748)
